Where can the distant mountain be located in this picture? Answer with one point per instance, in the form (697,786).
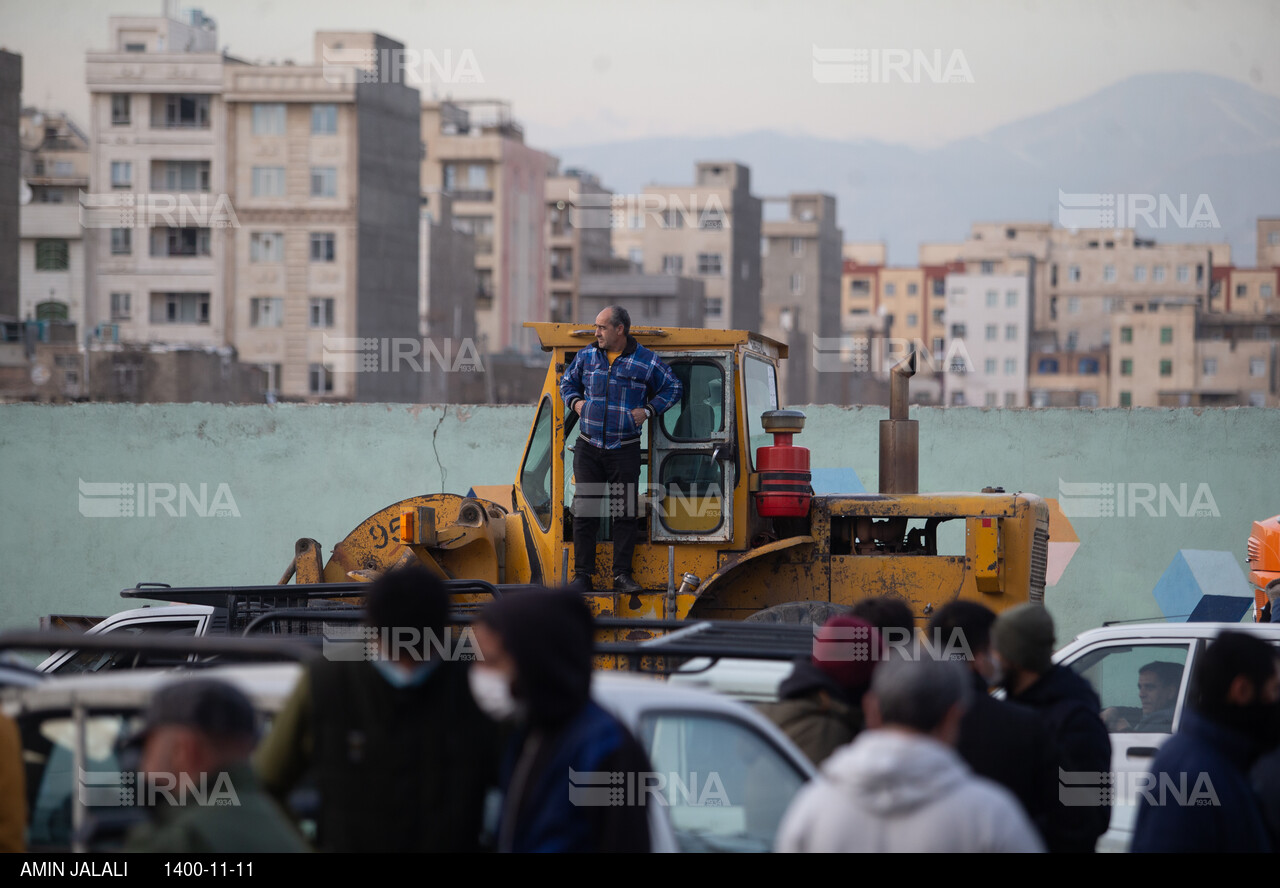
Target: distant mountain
(1172,134)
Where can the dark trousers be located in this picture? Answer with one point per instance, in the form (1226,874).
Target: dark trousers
(605,484)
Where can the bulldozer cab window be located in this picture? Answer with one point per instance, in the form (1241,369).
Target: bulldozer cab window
(535,473)
(699,414)
(760,390)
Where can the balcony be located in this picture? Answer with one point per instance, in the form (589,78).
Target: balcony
(477,195)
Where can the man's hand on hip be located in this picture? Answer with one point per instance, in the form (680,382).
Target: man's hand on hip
(639,414)
(577,407)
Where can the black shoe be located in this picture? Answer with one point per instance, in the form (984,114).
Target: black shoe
(624,584)
(582,583)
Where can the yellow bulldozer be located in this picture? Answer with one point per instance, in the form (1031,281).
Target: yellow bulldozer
(719,537)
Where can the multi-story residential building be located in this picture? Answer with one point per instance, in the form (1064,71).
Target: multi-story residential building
(1269,242)
(989,315)
(711,231)
(475,151)
(55,169)
(323,175)
(157,129)
(10,165)
(652,300)
(446,302)
(578,236)
(800,299)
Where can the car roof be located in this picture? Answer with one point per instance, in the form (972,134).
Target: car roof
(1172,631)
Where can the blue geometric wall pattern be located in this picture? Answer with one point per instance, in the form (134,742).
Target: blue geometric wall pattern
(1203,586)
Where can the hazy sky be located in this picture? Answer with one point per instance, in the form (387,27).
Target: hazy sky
(588,71)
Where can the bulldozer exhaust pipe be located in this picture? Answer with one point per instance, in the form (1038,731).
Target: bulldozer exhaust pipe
(900,436)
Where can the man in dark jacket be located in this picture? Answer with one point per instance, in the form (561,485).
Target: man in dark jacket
(1003,741)
(402,756)
(820,702)
(535,669)
(1023,639)
(198,787)
(1230,722)
(613,388)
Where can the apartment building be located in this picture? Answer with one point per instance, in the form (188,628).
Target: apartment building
(157,172)
(323,175)
(710,230)
(10,166)
(652,300)
(446,302)
(475,151)
(986,361)
(1268,242)
(51,256)
(578,234)
(800,300)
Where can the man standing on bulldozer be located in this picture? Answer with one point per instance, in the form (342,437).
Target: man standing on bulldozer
(613,388)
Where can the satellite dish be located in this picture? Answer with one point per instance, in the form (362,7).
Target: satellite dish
(24,193)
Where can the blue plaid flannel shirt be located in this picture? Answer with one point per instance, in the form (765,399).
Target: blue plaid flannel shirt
(637,378)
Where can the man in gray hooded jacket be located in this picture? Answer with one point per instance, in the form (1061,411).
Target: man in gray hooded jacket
(901,786)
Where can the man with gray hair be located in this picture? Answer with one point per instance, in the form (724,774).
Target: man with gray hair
(901,786)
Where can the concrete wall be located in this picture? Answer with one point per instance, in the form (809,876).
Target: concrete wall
(318,471)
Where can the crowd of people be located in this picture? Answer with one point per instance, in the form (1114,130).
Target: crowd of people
(913,752)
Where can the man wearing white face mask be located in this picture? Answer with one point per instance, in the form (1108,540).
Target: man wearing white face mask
(535,671)
(403,757)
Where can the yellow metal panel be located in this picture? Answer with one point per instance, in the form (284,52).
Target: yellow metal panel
(984,534)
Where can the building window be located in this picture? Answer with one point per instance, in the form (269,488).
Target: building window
(121,241)
(320,379)
(890,289)
(912,289)
(324,181)
(1126,334)
(1088,399)
(1166,335)
(322,247)
(1010,366)
(1073,273)
(672,219)
(1261,333)
(180,175)
(764,247)
(1073,338)
(121,174)
(121,304)
(797,246)
(268,182)
(1140,273)
(1011,332)
(993,332)
(992,298)
(1011,299)
(988,267)
(636,256)
(989,366)
(913,320)
(1157,273)
(52,255)
(1257,367)
(1257,399)
(989,399)
(1073,305)
(268,120)
(1109,273)
(266,312)
(709,263)
(1273,238)
(797,284)
(957,331)
(1126,399)
(266,246)
(672,264)
(120,108)
(1166,368)
(320,312)
(180,242)
(937,315)
(1126,367)
(859,287)
(1242,290)
(174,111)
(1039,398)
(1011,399)
(1210,366)
(937,348)
(179,308)
(957,399)
(1264,291)
(324,120)
(715,307)
(1184,273)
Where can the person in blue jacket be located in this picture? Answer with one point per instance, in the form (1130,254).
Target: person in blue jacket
(613,388)
(1203,799)
(567,754)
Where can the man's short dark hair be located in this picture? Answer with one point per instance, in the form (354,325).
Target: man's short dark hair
(619,315)
(1166,673)
(917,694)
(972,622)
(1230,655)
(410,598)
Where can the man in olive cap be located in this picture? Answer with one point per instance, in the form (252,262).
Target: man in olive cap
(198,784)
(1023,639)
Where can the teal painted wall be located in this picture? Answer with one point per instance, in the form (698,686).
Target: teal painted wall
(317,471)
